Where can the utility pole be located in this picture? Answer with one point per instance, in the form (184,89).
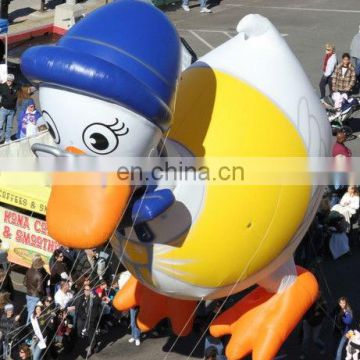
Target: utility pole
(4,9)
(42,5)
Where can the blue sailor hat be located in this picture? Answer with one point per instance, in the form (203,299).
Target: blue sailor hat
(126,52)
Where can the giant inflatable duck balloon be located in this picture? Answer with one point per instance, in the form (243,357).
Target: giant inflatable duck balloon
(108,88)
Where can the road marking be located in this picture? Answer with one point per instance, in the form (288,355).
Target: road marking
(209,31)
(201,39)
(227,34)
(294,8)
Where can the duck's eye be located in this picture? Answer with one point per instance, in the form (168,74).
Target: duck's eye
(100,139)
(53,131)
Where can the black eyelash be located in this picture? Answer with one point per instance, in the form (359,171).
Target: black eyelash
(118,131)
(114,124)
(119,134)
(122,126)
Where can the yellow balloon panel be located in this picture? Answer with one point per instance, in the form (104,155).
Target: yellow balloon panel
(241,228)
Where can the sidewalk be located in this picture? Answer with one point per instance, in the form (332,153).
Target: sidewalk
(27,21)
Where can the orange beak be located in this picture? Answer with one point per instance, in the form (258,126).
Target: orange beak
(84,209)
(83,213)
(75,150)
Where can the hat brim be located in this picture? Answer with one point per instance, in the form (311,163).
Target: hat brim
(84,73)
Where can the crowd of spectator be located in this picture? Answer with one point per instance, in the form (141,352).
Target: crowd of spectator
(342,79)
(70,304)
(17,108)
(332,234)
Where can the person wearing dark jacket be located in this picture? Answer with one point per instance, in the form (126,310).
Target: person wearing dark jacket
(8,93)
(6,284)
(343,317)
(59,267)
(8,323)
(311,326)
(35,283)
(88,311)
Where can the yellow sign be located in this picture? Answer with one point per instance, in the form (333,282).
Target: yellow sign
(29,198)
(25,236)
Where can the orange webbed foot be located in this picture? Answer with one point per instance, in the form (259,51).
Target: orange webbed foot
(261,321)
(154,307)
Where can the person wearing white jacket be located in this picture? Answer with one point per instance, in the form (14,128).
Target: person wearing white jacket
(329,64)
(349,204)
(355,51)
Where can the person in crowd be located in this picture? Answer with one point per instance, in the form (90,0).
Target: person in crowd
(59,267)
(339,148)
(23,101)
(353,345)
(87,280)
(6,284)
(4,299)
(24,353)
(88,311)
(328,68)
(312,325)
(87,263)
(344,77)
(135,331)
(31,121)
(35,283)
(70,256)
(349,203)
(49,313)
(209,312)
(41,326)
(211,353)
(101,289)
(107,312)
(64,295)
(324,209)
(4,248)
(82,281)
(2,51)
(8,324)
(203,6)
(101,292)
(343,317)
(91,257)
(48,302)
(8,93)
(114,288)
(341,154)
(355,51)
(63,330)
